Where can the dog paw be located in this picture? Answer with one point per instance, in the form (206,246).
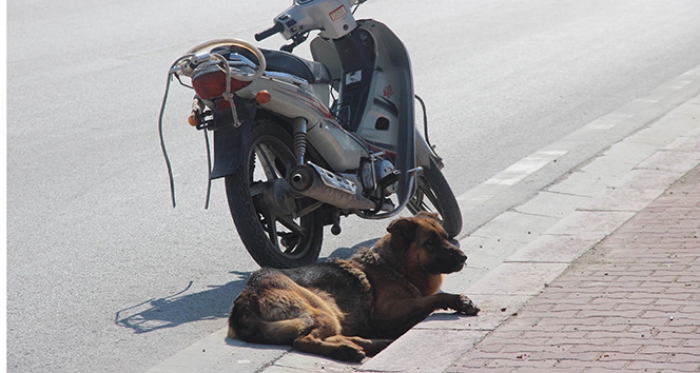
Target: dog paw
(466,306)
(348,353)
(377,346)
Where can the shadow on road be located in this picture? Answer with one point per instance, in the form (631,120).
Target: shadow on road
(181,308)
(214,303)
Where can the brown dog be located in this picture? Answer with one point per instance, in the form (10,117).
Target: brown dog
(349,309)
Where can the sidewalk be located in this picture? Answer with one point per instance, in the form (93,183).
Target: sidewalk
(631,304)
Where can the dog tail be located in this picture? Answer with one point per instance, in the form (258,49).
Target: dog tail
(231,332)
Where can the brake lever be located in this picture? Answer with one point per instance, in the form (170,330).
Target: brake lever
(296,40)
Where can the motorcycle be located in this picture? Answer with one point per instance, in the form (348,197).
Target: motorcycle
(302,143)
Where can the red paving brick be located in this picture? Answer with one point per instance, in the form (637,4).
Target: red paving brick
(631,304)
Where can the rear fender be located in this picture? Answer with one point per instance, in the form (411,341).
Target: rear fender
(230,143)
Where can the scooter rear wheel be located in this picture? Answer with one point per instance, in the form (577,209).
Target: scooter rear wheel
(434,194)
(261,207)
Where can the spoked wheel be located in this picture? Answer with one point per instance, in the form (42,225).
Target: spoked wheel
(277,229)
(433,194)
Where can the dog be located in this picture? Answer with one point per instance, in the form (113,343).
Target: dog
(350,309)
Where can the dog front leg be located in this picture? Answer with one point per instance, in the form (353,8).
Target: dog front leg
(398,316)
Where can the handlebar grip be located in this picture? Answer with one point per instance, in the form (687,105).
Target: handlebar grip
(269,32)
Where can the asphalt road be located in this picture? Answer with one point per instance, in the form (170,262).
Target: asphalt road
(103,275)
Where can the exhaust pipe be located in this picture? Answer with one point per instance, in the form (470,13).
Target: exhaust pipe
(325,186)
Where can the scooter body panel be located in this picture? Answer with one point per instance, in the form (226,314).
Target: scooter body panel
(388,118)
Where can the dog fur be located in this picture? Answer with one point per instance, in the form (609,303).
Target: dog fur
(349,309)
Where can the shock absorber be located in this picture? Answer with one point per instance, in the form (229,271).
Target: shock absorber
(299,126)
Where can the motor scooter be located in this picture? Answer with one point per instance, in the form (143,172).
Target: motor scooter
(302,143)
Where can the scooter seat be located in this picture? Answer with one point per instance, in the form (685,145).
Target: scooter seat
(284,62)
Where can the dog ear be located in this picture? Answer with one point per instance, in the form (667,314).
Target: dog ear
(403,227)
(431,215)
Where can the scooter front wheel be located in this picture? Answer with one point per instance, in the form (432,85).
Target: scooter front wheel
(263,209)
(433,194)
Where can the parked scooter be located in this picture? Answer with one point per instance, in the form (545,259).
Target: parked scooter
(303,143)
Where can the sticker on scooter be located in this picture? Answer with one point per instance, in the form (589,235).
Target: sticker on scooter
(354,77)
(388,91)
(338,13)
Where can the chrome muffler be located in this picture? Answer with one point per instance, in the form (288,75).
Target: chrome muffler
(318,183)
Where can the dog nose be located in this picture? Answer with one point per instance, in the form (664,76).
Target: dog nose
(460,256)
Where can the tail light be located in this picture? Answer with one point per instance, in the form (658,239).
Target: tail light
(212,85)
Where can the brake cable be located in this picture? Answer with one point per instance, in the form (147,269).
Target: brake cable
(160,127)
(171,177)
(425,120)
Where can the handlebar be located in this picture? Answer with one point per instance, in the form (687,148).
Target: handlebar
(278,27)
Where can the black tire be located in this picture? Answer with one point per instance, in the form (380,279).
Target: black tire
(272,236)
(434,194)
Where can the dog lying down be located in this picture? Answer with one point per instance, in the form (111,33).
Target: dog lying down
(349,309)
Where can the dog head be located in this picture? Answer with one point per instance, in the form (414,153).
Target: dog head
(419,248)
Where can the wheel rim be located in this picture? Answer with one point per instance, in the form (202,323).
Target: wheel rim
(271,161)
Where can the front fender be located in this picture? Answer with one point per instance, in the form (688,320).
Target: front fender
(230,143)
(424,153)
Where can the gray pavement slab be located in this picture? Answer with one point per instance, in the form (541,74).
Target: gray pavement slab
(485,253)
(621,199)
(424,351)
(555,205)
(216,353)
(582,184)
(515,278)
(301,362)
(515,226)
(642,179)
(619,159)
(673,161)
(590,224)
(550,248)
